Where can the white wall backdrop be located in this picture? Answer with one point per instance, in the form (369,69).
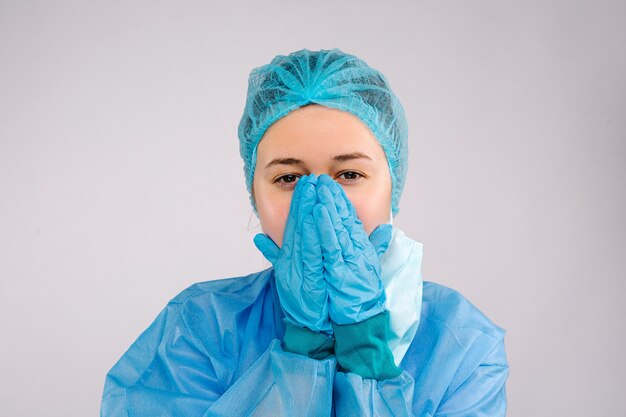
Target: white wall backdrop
(121,182)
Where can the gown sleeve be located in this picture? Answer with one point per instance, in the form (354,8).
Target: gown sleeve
(166,373)
(482,393)
(477,390)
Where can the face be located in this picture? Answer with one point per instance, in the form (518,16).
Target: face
(319,140)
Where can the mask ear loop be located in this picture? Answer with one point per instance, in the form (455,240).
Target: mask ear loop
(257,225)
(390,217)
(253,213)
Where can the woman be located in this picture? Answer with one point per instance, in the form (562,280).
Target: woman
(342,323)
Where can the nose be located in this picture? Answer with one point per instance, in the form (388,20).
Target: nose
(325,177)
(312,178)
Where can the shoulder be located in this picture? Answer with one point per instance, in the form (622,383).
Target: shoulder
(458,353)
(199,329)
(453,343)
(216,309)
(211,305)
(455,334)
(450,309)
(227,317)
(248,287)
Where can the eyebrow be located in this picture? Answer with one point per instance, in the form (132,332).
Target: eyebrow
(340,158)
(351,156)
(284,161)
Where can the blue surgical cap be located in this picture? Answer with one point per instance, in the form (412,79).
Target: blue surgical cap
(333,79)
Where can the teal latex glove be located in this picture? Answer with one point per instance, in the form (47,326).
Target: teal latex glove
(298,265)
(351,259)
(361,348)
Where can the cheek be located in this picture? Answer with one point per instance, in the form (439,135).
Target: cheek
(371,216)
(273,212)
(372,207)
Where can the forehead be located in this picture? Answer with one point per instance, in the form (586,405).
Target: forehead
(318,131)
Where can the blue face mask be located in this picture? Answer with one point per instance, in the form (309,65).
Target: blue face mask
(401,267)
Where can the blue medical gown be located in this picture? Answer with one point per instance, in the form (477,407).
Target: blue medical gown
(215,351)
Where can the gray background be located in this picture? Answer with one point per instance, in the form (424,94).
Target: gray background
(121,183)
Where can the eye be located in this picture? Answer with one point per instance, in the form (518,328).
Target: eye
(287,181)
(349,177)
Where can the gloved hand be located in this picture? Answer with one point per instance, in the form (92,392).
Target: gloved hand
(352,273)
(351,259)
(298,265)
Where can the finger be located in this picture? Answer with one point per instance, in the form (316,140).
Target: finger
(308,199)
(381,238)
(344,205)
(268,248)
(313,265)
(331,193)
(346,241)
(294,208)
(331,248)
